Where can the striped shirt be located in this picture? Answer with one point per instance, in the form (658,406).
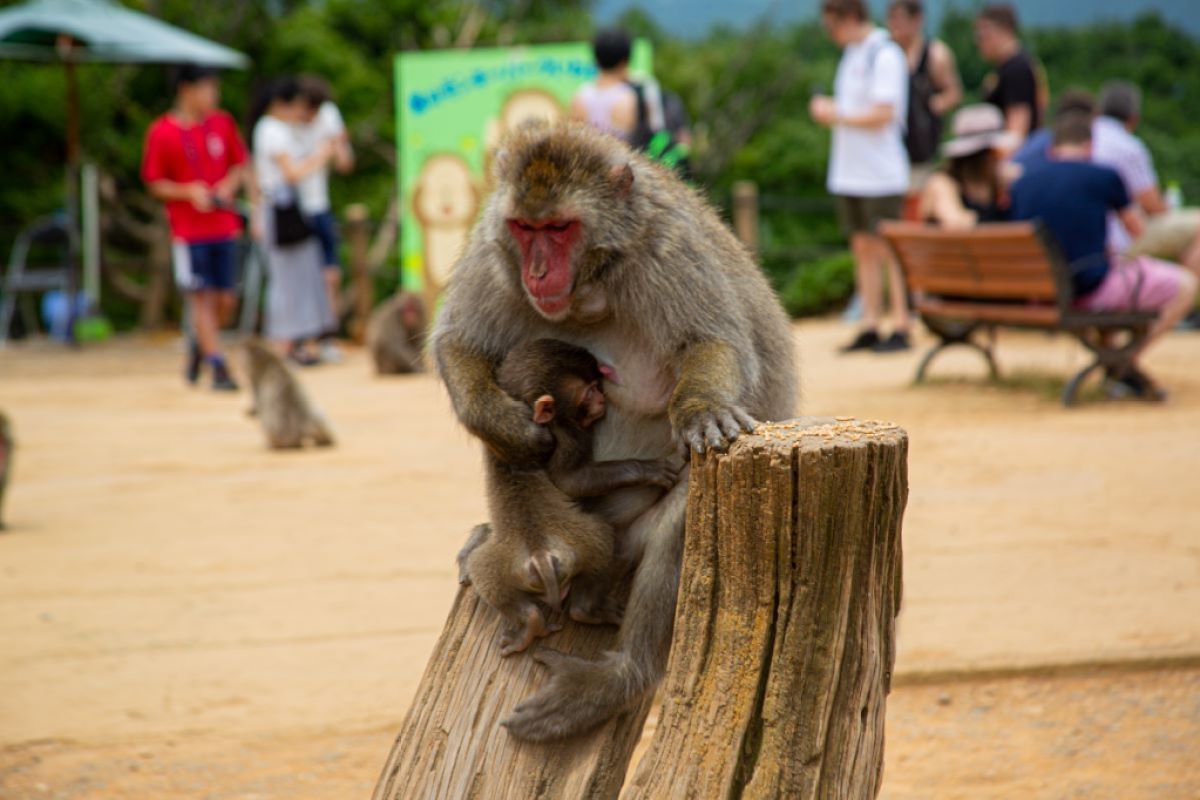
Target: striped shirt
(1114,146)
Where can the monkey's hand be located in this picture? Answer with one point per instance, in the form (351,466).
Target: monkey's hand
(596,608)
(508,430)
(580,695)
(504,424)
(701,427)
(704,411)
(661,472)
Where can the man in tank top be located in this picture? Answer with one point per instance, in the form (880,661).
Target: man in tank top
(609,102)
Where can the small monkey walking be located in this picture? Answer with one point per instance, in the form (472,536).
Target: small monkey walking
(543,546)
(396,335)
(288,417)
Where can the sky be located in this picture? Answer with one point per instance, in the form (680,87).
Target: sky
(694,17)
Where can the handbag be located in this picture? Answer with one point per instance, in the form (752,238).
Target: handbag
(291,226)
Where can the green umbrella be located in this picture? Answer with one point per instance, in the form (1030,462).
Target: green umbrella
(82,31)
(77,31)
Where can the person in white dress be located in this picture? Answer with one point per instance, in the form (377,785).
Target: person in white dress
(297,308)
(320,126)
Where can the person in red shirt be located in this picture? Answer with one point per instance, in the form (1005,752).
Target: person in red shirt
(194,161)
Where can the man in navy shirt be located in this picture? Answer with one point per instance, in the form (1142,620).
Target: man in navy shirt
(1072,197)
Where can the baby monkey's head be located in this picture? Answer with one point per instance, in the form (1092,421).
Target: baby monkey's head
(560,381)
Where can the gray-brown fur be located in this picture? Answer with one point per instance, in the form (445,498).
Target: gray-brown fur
(541,542)
(289,419)
(666,294)
(396,335)
(7,447)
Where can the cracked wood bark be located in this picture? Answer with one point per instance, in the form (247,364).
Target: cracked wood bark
(452,747)
(785,630)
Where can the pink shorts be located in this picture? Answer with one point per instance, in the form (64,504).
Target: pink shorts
(1139,283)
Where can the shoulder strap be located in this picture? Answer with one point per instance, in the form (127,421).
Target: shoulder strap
(923,62)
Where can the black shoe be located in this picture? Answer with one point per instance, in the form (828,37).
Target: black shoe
(866,340)
(302,358)
(195,358)
(1133,385)
(896,342)
(222,380)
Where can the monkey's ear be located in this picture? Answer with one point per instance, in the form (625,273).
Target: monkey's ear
(543,409)
(621,178)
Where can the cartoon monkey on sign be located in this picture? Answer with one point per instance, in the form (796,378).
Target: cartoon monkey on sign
(445,202)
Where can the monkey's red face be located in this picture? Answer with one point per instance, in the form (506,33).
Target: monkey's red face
(547,254)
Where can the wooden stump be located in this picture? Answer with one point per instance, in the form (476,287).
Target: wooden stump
(782,654)
(785,629)
(451,745)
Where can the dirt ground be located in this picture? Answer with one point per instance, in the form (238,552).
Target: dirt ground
(187,615)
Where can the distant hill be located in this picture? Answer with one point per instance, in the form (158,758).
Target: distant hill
(690,18)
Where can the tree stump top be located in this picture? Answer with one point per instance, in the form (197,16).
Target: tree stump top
(817,433)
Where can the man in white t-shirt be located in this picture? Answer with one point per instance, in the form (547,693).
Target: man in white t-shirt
(322,122)
(868,164)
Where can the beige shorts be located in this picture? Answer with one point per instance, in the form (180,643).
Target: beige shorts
(1168,235)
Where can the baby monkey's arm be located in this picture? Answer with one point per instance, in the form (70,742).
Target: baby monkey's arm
(597,478)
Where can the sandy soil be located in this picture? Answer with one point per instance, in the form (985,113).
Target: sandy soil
(185,614)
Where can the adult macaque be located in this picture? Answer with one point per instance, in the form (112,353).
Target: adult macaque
(541,545)
(288,417)
(585,241)
(396,335)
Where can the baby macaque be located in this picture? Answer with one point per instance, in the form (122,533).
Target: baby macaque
(288,417)
(542,546)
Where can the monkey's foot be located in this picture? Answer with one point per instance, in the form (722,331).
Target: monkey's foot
(580,695)
(478,536)
(715,429)
(516,639)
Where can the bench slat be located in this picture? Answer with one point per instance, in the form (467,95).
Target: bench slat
(1022,315)
(1008,289)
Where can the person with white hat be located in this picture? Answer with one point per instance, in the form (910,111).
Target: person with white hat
(969,189)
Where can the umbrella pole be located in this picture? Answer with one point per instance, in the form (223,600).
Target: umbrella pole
(73,261)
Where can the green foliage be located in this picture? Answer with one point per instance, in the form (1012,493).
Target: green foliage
(787,154)
(747,91)
(820,285)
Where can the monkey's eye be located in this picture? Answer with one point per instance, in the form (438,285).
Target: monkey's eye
(556,227)
(521,225)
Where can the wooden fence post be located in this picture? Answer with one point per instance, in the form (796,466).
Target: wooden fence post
(781,659)
(362,288)
(745,213)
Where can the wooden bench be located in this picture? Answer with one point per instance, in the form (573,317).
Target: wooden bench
(1005,275)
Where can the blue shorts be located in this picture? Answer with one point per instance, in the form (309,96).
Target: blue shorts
(325,228)
(201,266)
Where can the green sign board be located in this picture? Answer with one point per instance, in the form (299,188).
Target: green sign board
(452,108)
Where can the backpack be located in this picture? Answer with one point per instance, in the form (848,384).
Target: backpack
(651,134)
(923,131)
